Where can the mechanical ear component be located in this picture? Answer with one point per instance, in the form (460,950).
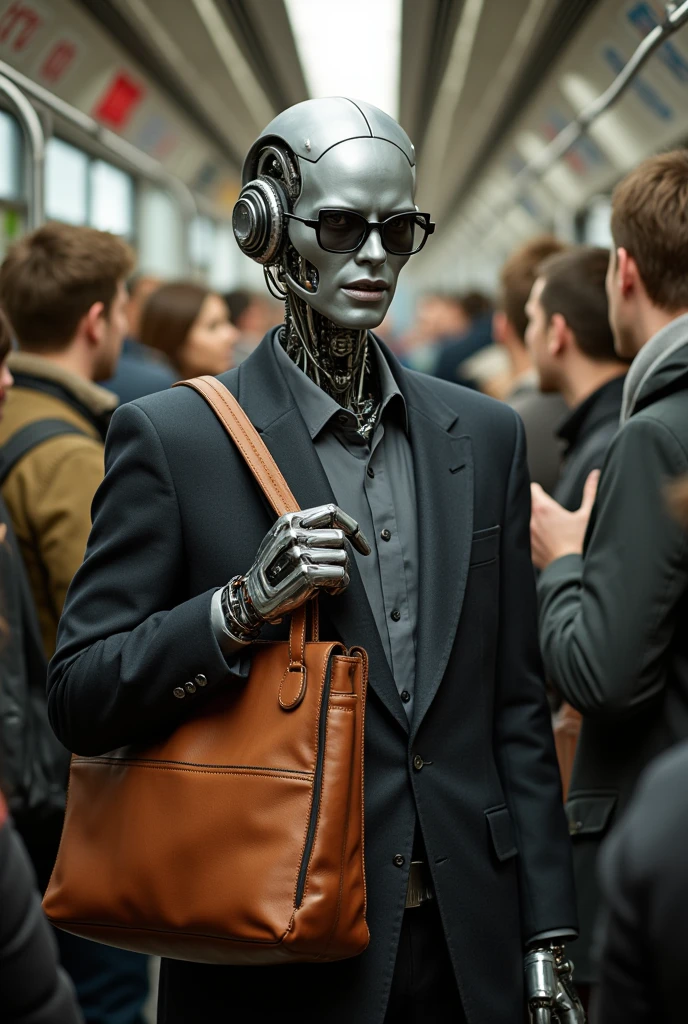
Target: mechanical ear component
(258,220)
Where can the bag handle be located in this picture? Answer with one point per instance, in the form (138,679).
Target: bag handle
(275,488)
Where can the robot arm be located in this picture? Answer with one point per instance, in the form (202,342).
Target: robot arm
(302,553)
(549,987)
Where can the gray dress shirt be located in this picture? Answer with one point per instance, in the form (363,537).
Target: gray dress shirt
(375,484)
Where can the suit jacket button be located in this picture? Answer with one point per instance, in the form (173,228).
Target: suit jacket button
(418,762)
(179,691)
(200,679)
(399,860)
(190,687)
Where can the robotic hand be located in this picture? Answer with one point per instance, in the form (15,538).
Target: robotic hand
(549,987)
(303,552)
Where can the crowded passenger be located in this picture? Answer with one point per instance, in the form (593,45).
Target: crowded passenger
(253,315)
(541,413)
(33,764)
(435,477)
(63,289)
(475,335)
(34,989)
(642,936)
(571,344)
(437,316)
(140,370)
(189,324)
(614,583)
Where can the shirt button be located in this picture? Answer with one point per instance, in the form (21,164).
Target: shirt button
(343,419)
(386,535)
(179,691)
(395,615)
(200,679)
(418,762)
(370,471)
(399,860)
(405,696)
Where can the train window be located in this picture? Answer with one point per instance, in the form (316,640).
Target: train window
(10,157)
(595,224)
(66,182)
(160,234)
(202,242)
(223,269)
(111,199)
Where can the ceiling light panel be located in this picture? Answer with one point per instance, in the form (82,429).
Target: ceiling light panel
(349,48)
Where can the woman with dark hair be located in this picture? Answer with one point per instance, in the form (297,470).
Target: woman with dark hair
(33,988)
(190,325)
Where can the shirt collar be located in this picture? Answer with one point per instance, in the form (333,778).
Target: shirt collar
(603,404)
(317,407)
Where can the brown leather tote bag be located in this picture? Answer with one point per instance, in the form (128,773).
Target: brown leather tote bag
(239,838)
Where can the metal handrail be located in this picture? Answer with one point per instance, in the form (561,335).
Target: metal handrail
(535,169)
(34,137)
(16,87)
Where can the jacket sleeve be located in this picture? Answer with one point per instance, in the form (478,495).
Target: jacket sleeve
(72,470)
(33,987)
(129,633)
(523,734)
(607,619)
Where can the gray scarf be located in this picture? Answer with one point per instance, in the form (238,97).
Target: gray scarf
(651,356)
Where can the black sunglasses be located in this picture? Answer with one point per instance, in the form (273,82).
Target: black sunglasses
(403,234)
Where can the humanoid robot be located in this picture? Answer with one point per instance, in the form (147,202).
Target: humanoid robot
(304,213)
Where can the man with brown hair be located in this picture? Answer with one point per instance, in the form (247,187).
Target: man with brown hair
(570,341)
(540,413)
(63,289)
(614,586)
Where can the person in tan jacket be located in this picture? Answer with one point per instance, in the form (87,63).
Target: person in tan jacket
(63,290)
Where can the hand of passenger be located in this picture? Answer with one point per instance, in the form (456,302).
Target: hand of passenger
(304,552)
(555,532)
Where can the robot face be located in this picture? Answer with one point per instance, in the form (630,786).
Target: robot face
(370,177)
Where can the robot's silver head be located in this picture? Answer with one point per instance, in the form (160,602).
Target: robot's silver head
(309,129)
(328,199)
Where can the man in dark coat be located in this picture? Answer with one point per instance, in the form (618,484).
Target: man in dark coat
(571,344)
(540,413)
(460,772)
(614,599)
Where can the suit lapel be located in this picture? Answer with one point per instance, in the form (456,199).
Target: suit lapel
(265,396)
(443,466)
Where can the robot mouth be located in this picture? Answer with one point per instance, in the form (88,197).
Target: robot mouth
(366,290)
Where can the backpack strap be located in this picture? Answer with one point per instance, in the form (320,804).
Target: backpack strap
(28,438)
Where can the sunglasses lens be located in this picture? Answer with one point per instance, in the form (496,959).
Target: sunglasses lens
(403,234)
(340,230)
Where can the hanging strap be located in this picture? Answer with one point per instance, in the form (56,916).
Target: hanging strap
(28,438)
(269,477)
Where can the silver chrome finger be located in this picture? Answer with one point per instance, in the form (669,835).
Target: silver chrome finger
(325,556)
(322,516)
(321,538)
(332,515)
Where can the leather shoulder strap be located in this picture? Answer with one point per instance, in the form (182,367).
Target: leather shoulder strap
(274,486)
(248,441)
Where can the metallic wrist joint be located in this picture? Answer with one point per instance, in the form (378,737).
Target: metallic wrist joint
(549,987)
